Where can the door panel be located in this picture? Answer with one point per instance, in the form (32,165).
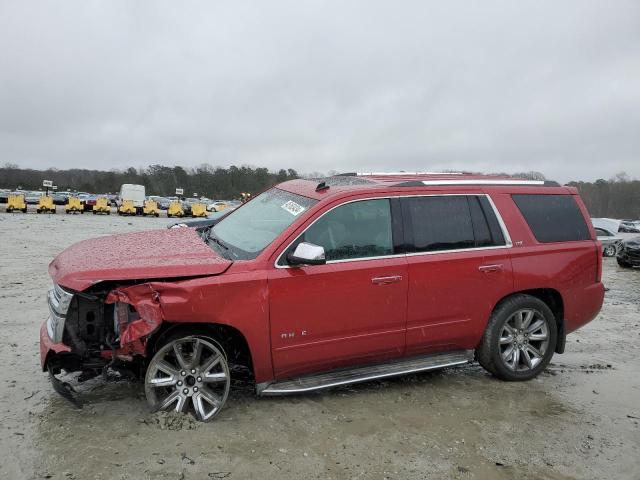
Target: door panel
(451,296)
(339,314)
(458,269)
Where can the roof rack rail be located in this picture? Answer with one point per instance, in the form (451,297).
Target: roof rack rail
(513,182)
(391,174)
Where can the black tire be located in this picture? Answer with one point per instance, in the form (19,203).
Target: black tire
(489,353)
(9,210)
(609,251)
(24,210)
(624,264)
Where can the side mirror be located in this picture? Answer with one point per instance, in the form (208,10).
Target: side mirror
(307,254)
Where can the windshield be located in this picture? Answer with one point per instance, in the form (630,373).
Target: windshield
(251,228)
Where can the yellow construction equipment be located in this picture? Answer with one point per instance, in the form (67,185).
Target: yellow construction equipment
(73,205)
(150,208)
(127,208)
(199,210)
(16,202)
(45,204)
(102,206)
(175,210)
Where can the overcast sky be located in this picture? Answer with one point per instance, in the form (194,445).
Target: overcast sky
(318,86)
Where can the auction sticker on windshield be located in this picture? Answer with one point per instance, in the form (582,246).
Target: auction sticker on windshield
(293,208)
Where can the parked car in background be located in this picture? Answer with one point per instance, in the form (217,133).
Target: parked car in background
(315,284)
(88,200)
(216,206)
(60,198)
(4,195)
(201,223)
(32,197)
(610,241)
(629,226)
(163,202)
(629,253)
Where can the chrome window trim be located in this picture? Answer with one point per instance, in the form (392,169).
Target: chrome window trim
(503,227)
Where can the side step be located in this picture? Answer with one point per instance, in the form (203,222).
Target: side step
(366,373)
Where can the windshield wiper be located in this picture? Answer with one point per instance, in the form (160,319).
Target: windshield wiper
(211,236)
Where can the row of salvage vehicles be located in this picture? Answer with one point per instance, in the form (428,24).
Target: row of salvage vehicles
(17,203)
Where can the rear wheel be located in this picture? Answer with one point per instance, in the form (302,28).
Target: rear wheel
(609,251)
(189,374)
(519,340)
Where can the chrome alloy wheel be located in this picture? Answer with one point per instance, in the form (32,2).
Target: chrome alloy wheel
(188,374)
(524,340)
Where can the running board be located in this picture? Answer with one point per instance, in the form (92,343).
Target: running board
(364,374)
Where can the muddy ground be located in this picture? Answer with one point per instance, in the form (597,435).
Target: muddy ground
(580,419)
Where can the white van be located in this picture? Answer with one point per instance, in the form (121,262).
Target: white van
(130,191)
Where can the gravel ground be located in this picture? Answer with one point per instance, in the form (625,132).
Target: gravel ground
(580,419)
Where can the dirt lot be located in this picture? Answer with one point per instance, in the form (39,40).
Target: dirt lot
(580,419)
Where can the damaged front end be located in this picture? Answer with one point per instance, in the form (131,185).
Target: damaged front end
(102,331)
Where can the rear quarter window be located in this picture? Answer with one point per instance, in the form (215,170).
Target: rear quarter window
(553,218)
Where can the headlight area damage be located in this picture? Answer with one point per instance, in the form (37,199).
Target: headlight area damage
(100,332)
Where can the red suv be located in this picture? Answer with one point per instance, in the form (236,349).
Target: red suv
(311,285)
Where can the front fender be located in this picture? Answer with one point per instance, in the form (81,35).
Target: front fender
(238,300)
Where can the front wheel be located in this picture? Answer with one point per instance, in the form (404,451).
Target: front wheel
(610,251)
(519,340)
(189,374)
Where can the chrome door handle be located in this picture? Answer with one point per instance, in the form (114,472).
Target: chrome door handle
(490,268)
(386,280)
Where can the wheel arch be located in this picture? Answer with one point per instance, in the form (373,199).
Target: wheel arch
(232,340)
(553,299)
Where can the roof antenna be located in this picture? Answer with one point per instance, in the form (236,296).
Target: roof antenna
(322,186)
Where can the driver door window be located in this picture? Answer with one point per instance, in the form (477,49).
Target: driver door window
(355,230)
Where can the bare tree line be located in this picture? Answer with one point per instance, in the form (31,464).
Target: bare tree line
(204,180)
(618,197)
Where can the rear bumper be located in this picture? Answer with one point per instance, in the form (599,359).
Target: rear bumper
(583,308)
(48,348)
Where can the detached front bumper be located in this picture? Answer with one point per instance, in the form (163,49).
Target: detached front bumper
(48,348)
(630,256)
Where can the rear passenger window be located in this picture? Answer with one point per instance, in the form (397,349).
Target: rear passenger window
(451,223)
(553,218)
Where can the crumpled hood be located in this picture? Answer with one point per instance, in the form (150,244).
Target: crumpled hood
(154,254)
